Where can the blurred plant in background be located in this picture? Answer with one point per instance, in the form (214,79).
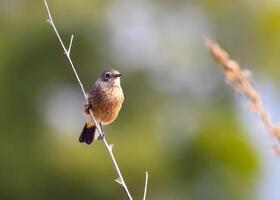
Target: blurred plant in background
(179,121)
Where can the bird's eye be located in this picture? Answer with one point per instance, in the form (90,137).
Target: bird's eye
(107,75)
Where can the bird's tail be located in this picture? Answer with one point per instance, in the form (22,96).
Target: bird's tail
(88,134)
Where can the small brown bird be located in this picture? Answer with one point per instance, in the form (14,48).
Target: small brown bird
(105,99)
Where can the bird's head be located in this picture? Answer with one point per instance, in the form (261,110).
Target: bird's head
(111,76)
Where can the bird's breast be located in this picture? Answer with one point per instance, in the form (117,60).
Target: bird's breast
(106,103)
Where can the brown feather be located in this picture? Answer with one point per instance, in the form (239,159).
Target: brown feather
(106,101)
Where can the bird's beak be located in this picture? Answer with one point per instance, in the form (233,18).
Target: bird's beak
(117,75)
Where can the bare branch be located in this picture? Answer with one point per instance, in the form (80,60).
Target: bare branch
(146,185)
(67,53)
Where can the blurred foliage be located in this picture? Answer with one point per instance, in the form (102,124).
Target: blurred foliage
(213,160)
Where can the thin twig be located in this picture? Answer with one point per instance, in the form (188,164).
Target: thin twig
(146,185)
(70,45)
(240,80)
(67,53)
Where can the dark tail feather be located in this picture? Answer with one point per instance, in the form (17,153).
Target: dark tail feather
(87,134)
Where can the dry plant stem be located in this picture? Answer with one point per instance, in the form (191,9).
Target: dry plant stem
(146,185)
(108,147)
(241,81)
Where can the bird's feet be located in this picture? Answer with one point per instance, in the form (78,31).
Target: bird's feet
(100,137)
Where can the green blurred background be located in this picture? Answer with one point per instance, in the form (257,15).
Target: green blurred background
(180,122)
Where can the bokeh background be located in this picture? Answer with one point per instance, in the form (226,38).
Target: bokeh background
(180,122)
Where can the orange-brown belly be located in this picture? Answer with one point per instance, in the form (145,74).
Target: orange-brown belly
(105,105)
(106,112)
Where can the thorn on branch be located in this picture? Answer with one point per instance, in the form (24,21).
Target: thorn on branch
(111,147)
(118,180)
